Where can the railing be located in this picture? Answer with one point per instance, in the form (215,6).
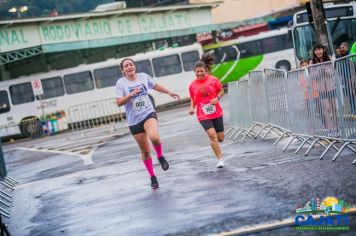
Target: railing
(6,200)
(79,117)
(93,114)
(311,104)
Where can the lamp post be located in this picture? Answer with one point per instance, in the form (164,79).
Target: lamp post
(18,10)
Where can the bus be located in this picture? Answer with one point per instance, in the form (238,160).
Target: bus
(62,89)
(236,58)
(340,24)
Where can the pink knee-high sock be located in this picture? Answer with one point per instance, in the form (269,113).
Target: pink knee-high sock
(158,149)
(149,166)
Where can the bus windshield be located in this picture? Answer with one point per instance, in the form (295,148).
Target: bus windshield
(340,31)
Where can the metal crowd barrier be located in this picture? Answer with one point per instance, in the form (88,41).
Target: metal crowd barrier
(275,81)
(241,102)
(259,103)
(346,74)
(5,198)
(313,105)
(94,114)
(83,116)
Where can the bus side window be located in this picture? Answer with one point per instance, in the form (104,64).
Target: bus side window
(144,67)
(250,49)
(189,59)
(107,77)
(273,44)
(21,93)
(52,87)
(78,82)
(167,65)
(4,102)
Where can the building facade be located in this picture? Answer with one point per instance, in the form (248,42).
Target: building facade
(238,10)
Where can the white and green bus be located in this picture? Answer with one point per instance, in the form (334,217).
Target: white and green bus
(236,58)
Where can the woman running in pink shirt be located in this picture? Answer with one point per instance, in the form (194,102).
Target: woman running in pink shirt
(205,93)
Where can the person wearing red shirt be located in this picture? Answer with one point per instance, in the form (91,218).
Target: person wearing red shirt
(205,92)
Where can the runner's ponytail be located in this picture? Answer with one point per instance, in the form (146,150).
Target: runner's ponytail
(206,61)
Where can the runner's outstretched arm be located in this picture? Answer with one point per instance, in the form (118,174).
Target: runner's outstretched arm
(192,106)
(162,89)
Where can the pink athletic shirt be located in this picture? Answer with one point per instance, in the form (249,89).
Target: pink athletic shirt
(202,91)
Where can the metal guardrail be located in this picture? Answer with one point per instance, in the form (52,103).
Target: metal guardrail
(276,87)
(5,198)
(315,105)
(258,96)
(82,116)
(93,114)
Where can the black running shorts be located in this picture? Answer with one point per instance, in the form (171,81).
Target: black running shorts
(138,128)
(216,123)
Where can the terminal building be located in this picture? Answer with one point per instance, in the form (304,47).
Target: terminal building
(44,44)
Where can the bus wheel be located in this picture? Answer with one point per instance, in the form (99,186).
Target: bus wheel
(31,128)
(153,102)
(283,65)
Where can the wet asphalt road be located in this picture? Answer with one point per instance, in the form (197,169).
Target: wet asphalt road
(63,194)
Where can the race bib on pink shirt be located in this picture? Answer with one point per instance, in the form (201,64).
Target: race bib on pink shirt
(209,109)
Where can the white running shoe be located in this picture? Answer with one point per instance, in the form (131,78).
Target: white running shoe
(220,163)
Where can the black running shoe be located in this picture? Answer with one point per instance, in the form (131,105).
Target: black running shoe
(154,182)
(164,163)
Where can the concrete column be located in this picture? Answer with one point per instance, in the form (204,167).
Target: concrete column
(4,74)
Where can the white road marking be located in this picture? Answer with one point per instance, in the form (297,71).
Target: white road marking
(87,158)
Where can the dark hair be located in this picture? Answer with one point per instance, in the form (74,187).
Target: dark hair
(126,59)
(315,60)
(345,44)
(304,60)
(206,61)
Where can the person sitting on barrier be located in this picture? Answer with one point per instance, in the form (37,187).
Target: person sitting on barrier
(205,93)
(326,86)
(132,91)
